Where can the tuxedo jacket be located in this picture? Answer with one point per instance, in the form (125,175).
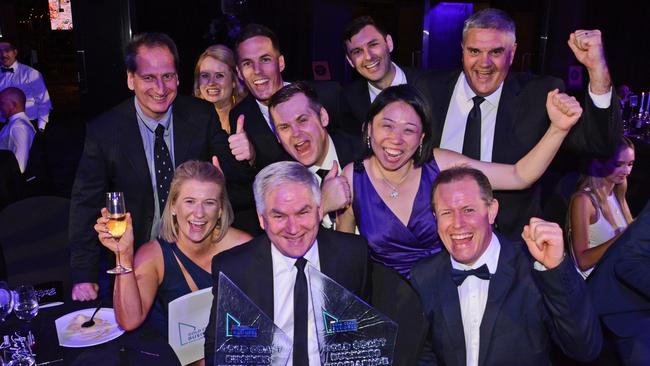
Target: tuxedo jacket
(620,283)
(520,123)
(343,257)
(113,159)
(355,102)
(525,310)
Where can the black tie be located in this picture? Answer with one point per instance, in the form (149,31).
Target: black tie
(163,165)
(472,139)
(322,173)
(8,69)
(300,354)
(459,276)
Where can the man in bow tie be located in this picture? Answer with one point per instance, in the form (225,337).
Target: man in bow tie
(29,80)
(487,301)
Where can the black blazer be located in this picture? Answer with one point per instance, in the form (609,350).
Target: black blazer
(525,309)
(355,102)
(620,283)
(349,148)
(343,257)
(521,122)
(113,159)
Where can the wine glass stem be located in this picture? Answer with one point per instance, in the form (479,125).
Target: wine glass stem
(119,264)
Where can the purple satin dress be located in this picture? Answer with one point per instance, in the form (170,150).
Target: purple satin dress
(391,243)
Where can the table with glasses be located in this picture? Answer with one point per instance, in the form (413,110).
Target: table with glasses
(140,347)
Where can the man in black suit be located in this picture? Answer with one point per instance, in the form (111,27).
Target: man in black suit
(300,123)
(486,301)
(121,148)
(367,49)
(620,289)
(489,113)
(267,268)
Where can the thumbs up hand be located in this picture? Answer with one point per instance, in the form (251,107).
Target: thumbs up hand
(240,145)
(335,190)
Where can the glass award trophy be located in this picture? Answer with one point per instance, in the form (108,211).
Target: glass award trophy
(244,334)
(349,330)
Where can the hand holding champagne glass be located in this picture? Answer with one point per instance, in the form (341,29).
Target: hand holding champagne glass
(116,226)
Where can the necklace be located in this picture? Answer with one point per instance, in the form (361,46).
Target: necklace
(394,193)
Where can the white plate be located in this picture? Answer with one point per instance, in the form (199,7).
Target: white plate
(68,328)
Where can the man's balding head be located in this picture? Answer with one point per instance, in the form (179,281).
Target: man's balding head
(12,101)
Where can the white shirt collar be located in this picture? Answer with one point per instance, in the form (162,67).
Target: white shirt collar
(398,79)
(289,263)
(329,158)
(467,93)
(19,115)
(489,257)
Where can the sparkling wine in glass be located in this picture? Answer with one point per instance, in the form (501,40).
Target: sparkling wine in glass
(25,302)
(6,301)
(116,225)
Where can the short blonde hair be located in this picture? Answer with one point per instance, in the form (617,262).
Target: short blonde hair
(224,54)
(203,172)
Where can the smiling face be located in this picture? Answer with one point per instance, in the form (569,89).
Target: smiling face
(464,219)
(487,56)
(215,81)
(395,135)
(301,131)
(7,54)
(291,218)
(154,81)
(197,209)
(260,66)
(619,167)
(369,53)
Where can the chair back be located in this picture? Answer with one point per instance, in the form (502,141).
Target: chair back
(34,241)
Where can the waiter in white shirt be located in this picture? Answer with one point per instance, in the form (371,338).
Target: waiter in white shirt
(29,80)
(18,134)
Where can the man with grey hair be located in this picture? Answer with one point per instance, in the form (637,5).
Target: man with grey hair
(487,112)
(270,269)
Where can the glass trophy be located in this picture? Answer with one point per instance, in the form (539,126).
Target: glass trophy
(349,330)
(244,334)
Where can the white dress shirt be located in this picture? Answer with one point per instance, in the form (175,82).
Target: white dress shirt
(399,79)
(18,136)
(327,165)
(473,295)
(453,132)
(30,81)
(284,279)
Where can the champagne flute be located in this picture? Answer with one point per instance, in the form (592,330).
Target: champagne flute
(116,225)
(25,302)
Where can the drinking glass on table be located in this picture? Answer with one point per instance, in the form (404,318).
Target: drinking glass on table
(6,301)
(25,302)
(116,225)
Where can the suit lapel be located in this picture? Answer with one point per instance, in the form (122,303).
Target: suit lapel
(128,133)
(263,265)
(500,282)
(440,105)
(360,101)
(450,304)
(501,151)
(183,131)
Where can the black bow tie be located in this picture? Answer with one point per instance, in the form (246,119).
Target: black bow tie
(458,276)
(8,69)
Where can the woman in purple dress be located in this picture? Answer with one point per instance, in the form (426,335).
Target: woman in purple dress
(391,187)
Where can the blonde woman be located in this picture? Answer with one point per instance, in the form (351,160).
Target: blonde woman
(195,227)
(216,81)
(599,212)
